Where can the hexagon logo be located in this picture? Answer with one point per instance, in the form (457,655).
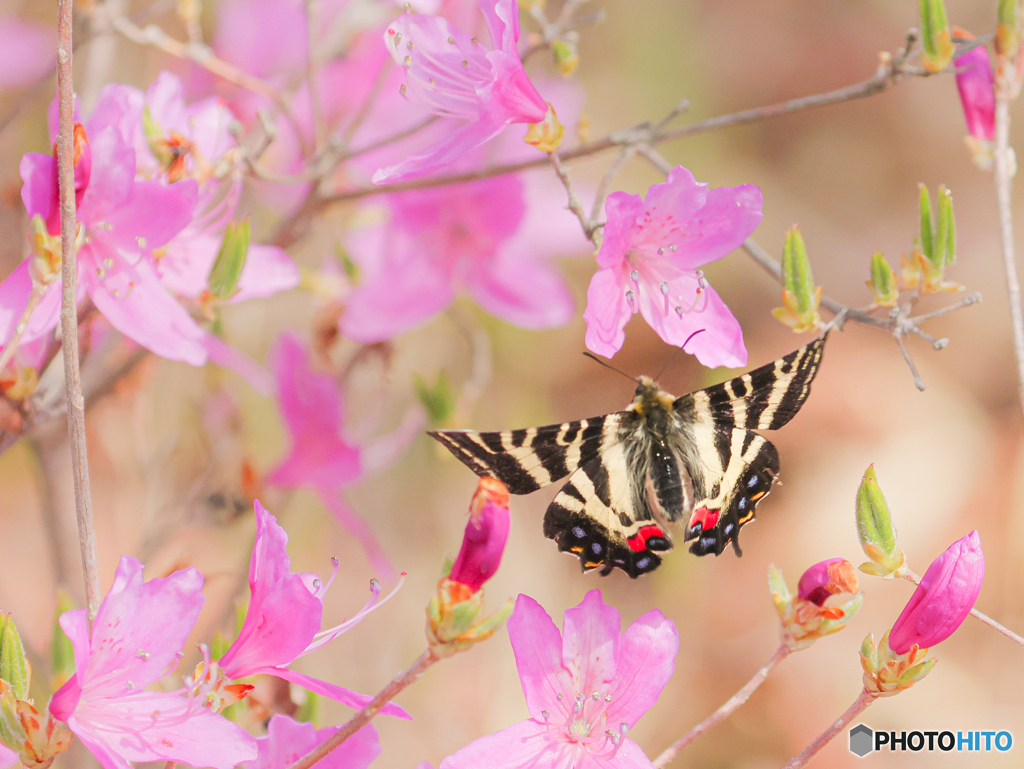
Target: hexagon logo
(862,740)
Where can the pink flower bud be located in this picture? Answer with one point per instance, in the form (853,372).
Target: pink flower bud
(836,575)
(486,533)
(975,82)
(943,599)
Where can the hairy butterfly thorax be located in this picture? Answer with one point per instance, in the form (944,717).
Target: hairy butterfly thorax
(663,460)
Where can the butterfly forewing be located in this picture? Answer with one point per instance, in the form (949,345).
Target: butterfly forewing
(763,399)
(528,459)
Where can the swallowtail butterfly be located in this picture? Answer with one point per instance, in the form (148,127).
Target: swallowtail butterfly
(661,460)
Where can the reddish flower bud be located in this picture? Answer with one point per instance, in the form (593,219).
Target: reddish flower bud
(83,170)
(944,598)
(836,575)
(486,533)
(976,84)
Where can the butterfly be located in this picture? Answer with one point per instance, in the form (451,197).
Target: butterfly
(657,462)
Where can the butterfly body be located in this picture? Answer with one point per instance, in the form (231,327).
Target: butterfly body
(660,461)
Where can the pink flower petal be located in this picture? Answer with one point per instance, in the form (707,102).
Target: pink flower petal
(646,661)
(590,643)
(729,217)
(283,615)
(621,213)
(607,312)
(180,731)
(976,85)
(537,646)
(136,303)
(456,144)
(7,757)
(720,341)
(337,693)
(38,189)
(112,179)
(528,295)
(225,355)
(27,52)
(139,629)
(268,270)
(944,598)
(522,745)
(629,755)
(155,214)
(288,740)
(502,19)
(409,289)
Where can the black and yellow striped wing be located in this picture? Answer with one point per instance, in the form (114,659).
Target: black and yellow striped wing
(529,459)
(738,466)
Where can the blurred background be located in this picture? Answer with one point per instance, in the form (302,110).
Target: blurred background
(176,452)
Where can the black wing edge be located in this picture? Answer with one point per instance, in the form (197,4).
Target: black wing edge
(588,540)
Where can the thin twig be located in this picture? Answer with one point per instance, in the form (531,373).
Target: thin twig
(69,309)
(725,711)
(860,704)
(1002,179)
(364,716)
(915,579)
(575,204)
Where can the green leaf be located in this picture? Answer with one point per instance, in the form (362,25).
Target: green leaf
(438,399)
(14,668)
(927,224)
(796,271)
(874,524)
(230,262)
(947,228)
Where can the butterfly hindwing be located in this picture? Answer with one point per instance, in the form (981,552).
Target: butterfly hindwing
(528,459)
(739,471)
(599,517)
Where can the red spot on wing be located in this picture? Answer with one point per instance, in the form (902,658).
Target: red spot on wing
(638,542)
(706,518)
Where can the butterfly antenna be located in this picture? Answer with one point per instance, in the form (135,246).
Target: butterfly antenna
(676,353)
(609,365)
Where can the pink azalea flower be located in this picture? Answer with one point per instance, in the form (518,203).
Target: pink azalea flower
(491,239)
(288,740)
(649,262)
(284,616)
(322,458)
(826,578)
(450,73)
(483,543)
(944,598)
(135,641)
(198,136)
(584,690)
(27,51)
(7,757)
(122,220)
(976,84)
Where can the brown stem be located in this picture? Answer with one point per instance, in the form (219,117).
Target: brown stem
(69,309)
(863,700)
(1003,183)
(364,716)
(725,711)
